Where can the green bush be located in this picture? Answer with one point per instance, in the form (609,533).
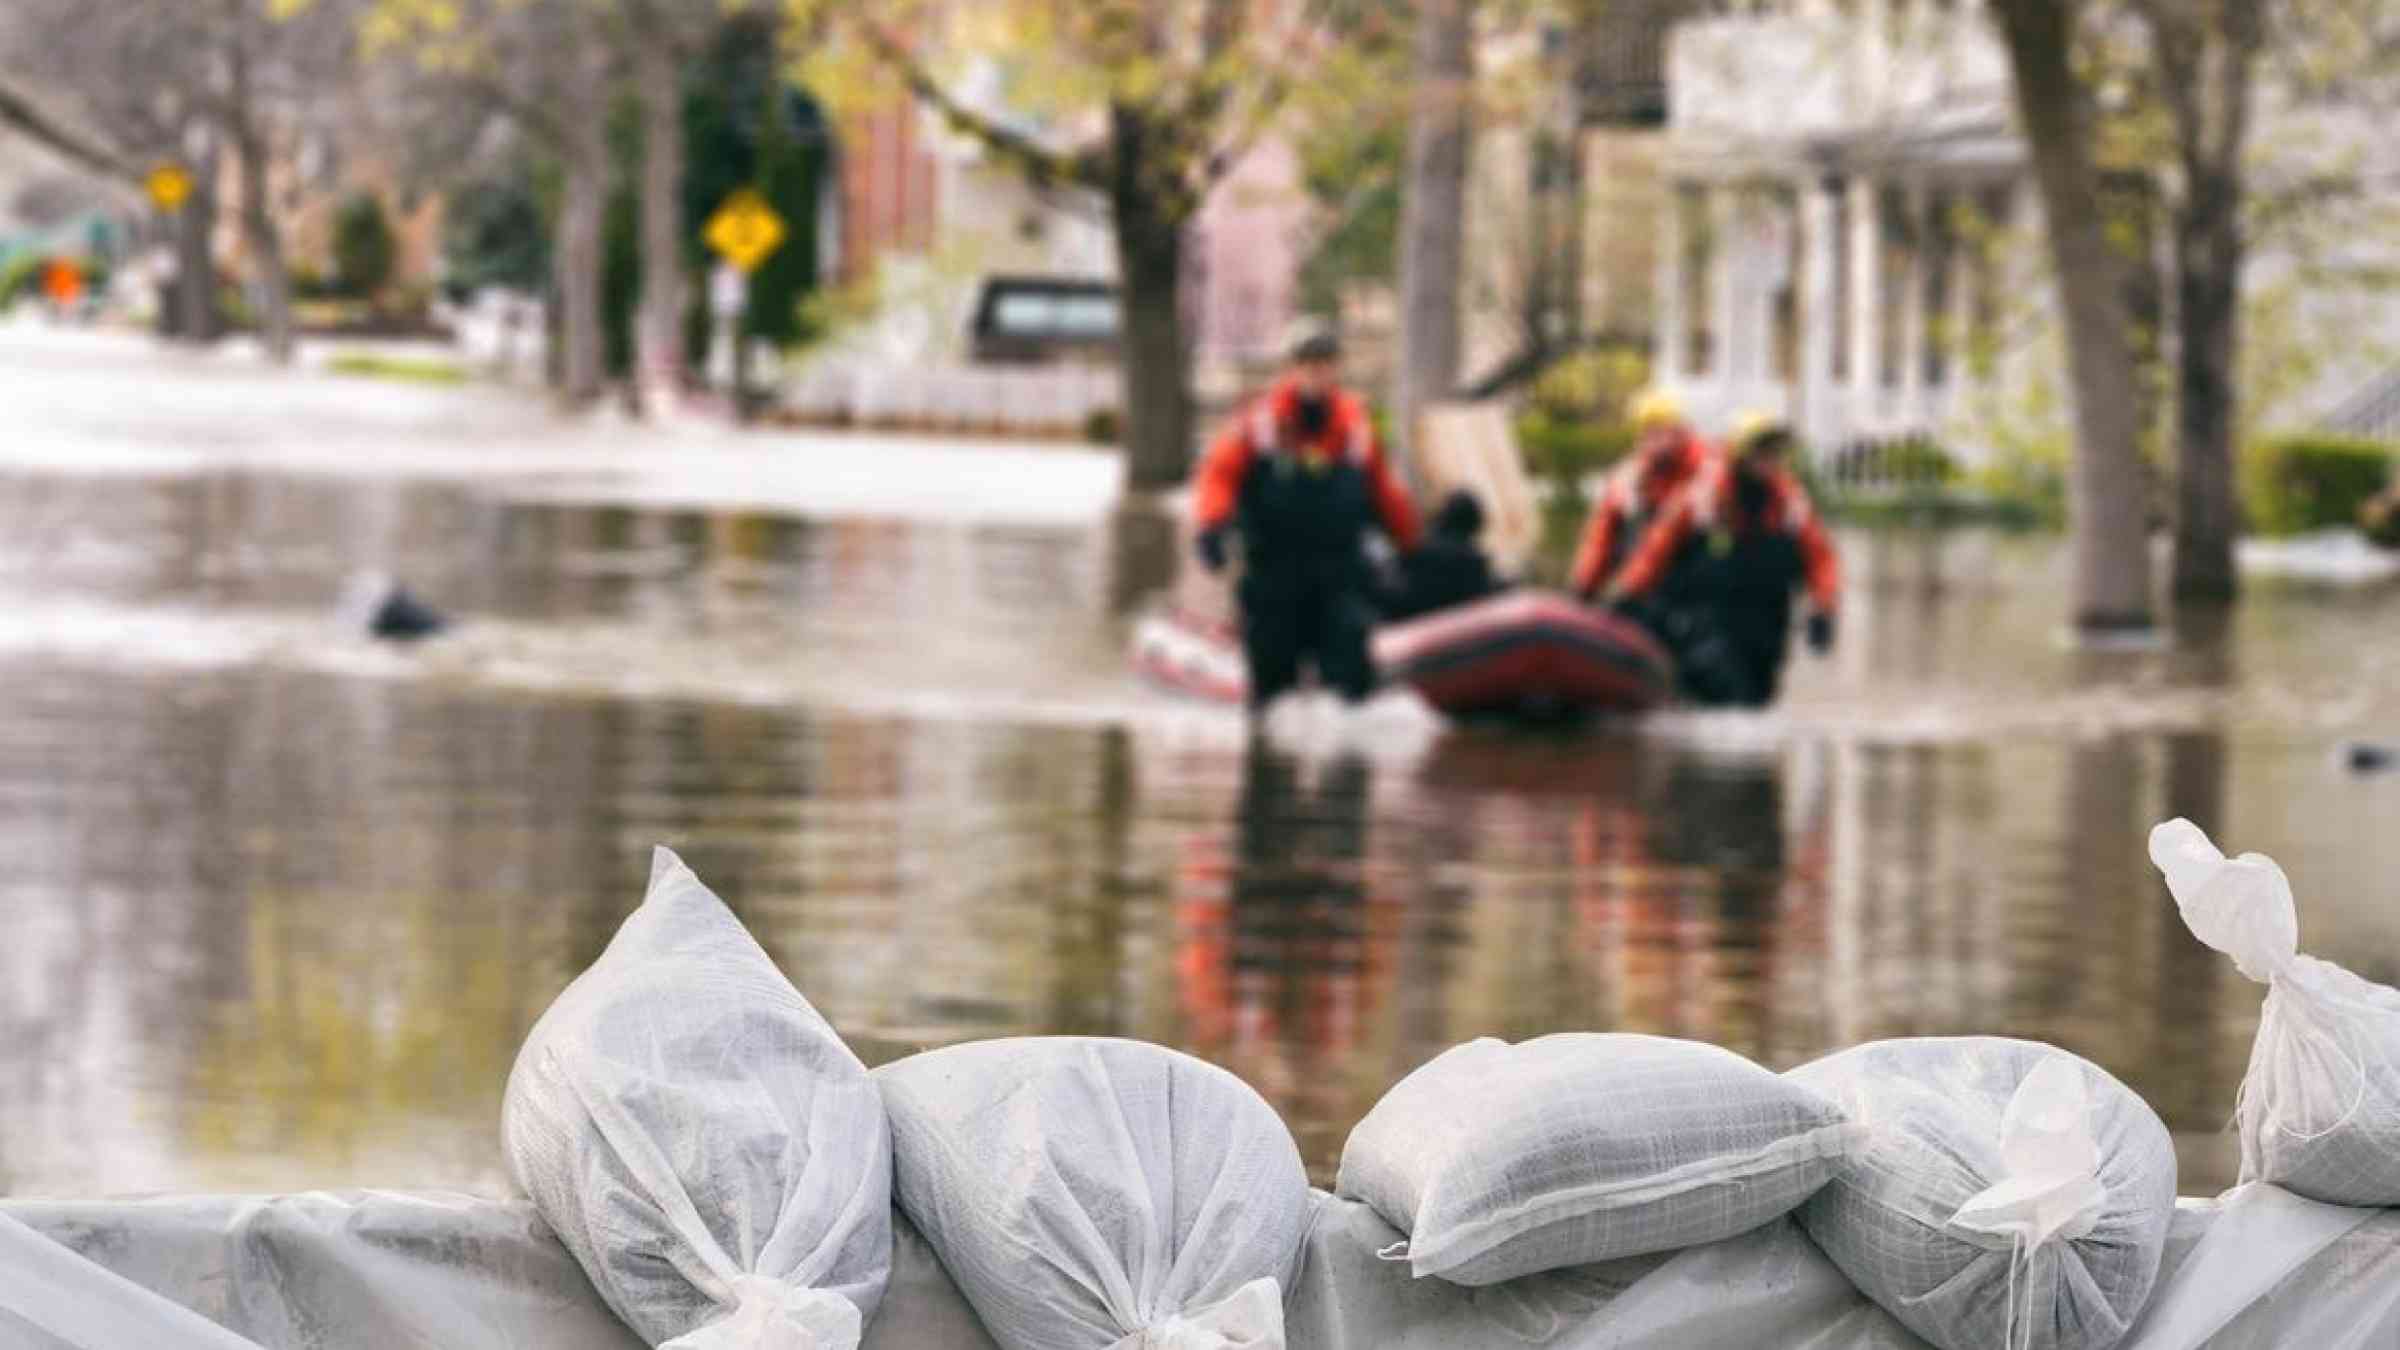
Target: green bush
(364,248)
(1566,453)
(2301,483)
(22,277)
(1102,426)
(493,234)
(1590,386)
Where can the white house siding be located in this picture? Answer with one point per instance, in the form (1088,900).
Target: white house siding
(1850,213)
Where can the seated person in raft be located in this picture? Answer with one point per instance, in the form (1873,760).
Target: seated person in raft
(1716,576)
(1448,568)
(1298,475)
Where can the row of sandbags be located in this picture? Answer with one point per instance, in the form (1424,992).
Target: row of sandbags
(725,1170)
(726,1173)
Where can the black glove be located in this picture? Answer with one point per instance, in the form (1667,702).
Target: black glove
(1211,548)
(1820,632)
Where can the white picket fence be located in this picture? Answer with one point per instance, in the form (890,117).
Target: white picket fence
(1012,400)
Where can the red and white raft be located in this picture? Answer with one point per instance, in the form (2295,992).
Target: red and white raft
(1522,653)
(1527,653)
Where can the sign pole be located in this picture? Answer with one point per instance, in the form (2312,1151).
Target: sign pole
(745,231)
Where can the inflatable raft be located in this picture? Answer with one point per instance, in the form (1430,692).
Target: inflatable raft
(1522,653)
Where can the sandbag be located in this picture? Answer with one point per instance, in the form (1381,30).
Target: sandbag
(2006,1194)
(2319,1108)
(701,1140)
(1584,1147)
(1089,1193)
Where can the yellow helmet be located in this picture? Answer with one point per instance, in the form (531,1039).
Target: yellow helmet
(1753,427)
(1656,408)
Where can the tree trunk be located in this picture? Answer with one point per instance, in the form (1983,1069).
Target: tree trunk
(581,209)
(2108,520)
(1156,358)
(2208,270)
(2206,55)
(250,156)
(266,248)
(195,298)
(1433,212)
(659,340)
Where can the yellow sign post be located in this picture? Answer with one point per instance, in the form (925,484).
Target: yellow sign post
(745,231)
(169,187)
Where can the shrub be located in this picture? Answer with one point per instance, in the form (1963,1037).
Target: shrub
(2299,483)
(1573,424)
(21,277)
(364,249)
(1566,453)
(1590,386)
(1102,426)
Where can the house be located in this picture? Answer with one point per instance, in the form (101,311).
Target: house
(1850,236)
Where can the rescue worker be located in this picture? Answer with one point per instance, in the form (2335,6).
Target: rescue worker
(1715,575)
(1667,455)
(1449,567)
(1298,473)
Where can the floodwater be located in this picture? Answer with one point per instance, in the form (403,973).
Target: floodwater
(281,905)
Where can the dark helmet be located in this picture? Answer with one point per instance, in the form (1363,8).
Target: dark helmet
(1459,516)
(1311,339)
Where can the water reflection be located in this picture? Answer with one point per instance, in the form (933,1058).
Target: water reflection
(279,924)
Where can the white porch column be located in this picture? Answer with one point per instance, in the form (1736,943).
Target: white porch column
(1818,245)
(1724,302)
(1966,282)
(1671,326)
(1913,280)
(1866,299)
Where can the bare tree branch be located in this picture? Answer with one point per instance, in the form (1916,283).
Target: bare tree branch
(20,112)
(1086,167)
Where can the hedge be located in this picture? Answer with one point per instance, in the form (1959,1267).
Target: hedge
(2301,483)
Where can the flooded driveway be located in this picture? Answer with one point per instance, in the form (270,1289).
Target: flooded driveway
(281,904)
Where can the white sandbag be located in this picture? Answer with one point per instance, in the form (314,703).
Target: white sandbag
(1584,1147)
(2319,1108)
(2006,1194)
(1088,1194)
(701,1140)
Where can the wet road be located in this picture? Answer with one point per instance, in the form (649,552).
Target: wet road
(282,904)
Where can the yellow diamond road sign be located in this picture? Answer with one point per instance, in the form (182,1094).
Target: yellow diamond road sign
(169,187)
(745,230)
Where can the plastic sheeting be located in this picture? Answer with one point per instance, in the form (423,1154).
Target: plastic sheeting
(1767,1288)
(2320,1104)
(1585,1147)
(1090,1193)
(2262,1270)
(342,1271)
(702,1140)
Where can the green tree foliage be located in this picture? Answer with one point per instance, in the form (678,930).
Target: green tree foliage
(493,234)
(364,248)
(747,126)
